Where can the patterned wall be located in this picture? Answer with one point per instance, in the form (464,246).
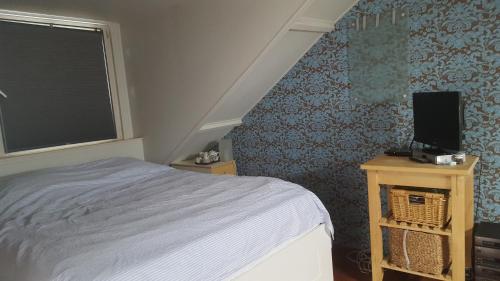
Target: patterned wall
(308,129)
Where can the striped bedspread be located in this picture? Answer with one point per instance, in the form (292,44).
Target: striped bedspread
(125,219)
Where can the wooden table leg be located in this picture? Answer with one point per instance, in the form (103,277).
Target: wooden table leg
(376,241)
(469,219)
(458,191)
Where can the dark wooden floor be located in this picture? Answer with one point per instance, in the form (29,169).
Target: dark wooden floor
(345,270)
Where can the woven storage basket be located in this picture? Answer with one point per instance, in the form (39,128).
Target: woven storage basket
(425,252)
(427,208)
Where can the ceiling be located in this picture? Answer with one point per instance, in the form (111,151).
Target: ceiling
(97,9)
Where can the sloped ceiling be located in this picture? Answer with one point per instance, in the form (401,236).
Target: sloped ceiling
(297,34)
(98,9)
(195,67)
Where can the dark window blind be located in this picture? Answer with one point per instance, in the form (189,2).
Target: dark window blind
(57,86)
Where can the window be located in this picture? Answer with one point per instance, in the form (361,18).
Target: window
(55,86)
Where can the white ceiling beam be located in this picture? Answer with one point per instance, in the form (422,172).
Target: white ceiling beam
(313,25)
(221,124)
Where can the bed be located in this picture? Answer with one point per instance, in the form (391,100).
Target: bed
(126,219)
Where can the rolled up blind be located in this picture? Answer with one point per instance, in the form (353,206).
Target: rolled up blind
(56,84)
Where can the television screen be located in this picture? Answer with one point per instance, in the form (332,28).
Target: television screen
(438,119)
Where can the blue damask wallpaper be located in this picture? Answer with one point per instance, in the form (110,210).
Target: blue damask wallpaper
(310,130)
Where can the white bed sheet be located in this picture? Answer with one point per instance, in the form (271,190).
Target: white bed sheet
(125,219)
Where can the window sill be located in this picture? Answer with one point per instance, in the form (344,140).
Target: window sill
(82,153)
(55,148)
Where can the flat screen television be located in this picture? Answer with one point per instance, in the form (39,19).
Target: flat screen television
(438,120)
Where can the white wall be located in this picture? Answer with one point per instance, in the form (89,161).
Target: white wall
(190,58)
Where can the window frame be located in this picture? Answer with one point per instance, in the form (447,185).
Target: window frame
(115,70)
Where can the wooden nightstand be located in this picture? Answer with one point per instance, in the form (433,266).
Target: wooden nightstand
(218,168)
(400,171)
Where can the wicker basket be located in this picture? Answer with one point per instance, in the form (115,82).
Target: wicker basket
(426,208)
(419,251)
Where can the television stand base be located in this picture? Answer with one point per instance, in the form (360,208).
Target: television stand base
(440,158)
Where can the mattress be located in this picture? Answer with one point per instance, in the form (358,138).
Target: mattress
(125,219)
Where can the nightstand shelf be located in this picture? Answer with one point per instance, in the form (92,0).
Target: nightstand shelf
(387,265)
(389,222)
(400,171)
(218,168)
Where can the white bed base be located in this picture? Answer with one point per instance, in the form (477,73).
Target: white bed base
(307,258)
(69,156)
